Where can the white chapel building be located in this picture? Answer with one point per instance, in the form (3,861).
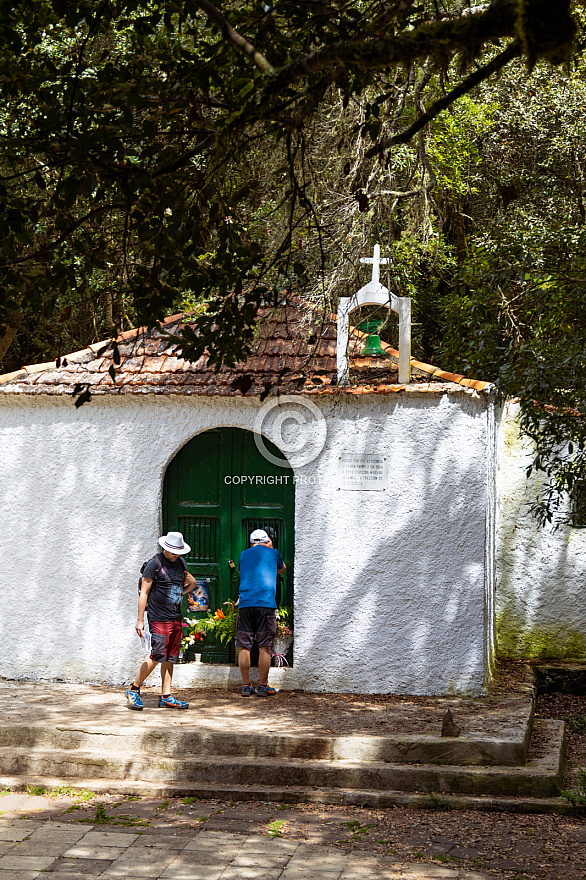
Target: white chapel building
(394,491)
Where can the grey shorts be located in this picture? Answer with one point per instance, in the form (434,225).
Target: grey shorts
(259,622)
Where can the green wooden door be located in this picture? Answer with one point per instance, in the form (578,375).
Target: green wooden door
(217,489)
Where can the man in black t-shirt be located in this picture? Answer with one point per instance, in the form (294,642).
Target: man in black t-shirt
(164,581)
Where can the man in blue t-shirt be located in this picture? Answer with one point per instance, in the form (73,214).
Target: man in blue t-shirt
(259,567)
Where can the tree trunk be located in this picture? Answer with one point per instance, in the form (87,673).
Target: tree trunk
(108,315)
(9,334)
(117,309)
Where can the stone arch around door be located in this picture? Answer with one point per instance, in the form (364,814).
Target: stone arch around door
(217,489)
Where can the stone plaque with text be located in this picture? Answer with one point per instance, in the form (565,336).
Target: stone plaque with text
(362,472)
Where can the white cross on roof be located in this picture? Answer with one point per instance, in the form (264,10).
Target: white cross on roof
(377,262)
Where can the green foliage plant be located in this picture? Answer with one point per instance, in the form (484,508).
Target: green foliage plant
(576,723)
(514,311)
(220,624)
(80,794)
(275,828)
(577,796)
(436,802)
(37,790)
(285,622)
(101,817)
(358,829)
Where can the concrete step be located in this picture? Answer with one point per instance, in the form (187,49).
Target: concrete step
(539,777)
(474,750)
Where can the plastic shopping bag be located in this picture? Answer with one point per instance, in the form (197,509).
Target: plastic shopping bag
(146,642)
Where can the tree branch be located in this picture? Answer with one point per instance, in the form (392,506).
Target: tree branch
(402,194)
(512,51)
(185,158)
(44,250)
(467,35)
(234,37)
(388,14)
(316,95)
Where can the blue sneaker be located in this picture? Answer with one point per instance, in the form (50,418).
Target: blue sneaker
(133,699)
(172,703)
(247,690)
(264,690)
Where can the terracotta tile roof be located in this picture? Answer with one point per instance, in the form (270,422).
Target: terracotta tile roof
(301,340)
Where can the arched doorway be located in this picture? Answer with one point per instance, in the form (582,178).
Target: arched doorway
(217,489)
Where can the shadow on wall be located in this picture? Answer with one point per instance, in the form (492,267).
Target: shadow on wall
(541,605)
(400,600)
(76,492)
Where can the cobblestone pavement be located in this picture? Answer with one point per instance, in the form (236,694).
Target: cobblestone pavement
(68,838)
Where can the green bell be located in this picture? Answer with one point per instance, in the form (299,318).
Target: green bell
(372,347)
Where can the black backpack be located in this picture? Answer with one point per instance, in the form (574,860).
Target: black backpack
(161,561)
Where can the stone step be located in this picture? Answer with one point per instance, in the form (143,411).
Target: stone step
(161,741)
(296,795)
(539,777)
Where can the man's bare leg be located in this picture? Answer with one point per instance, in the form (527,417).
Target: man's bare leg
(264,664)
(144,671)
(166,678)
(244,665)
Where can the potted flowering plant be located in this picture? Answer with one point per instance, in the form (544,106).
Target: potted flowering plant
(220,624)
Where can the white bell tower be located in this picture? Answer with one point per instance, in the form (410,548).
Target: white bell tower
(375,294)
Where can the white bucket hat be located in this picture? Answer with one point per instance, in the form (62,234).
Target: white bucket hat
(174,543)
(259,536)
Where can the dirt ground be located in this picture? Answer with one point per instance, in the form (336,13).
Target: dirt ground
(379,714)
(571,709)
(349,714)
(503,711)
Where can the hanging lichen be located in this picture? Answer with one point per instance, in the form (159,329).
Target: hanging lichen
(547,30)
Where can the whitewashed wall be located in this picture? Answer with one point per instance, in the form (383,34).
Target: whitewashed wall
(540,572)
(390,586)
(392,590)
